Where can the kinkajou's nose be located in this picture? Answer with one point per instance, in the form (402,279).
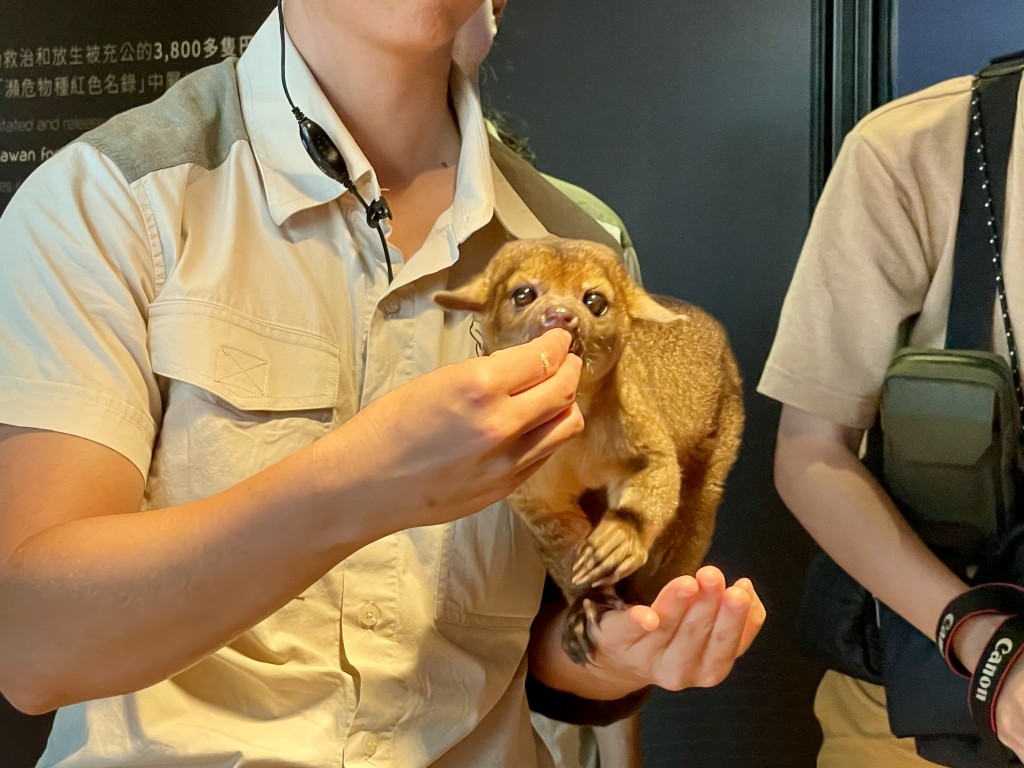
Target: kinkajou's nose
(560,317)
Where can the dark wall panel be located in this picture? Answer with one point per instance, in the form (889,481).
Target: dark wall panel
(692,121)
(936,39)
(65,67)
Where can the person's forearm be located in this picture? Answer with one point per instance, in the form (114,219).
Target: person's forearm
(847,512)
(97,598)
(110,604)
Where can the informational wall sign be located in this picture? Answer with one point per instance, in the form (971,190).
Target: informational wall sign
(66,67)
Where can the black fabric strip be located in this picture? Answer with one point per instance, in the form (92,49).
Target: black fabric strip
(559,215)
(985,598)
(568,708)
(974,273)
(973,292)
(999,85)
(999,656)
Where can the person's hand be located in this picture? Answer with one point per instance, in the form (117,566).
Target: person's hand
(689,637)
(459,438)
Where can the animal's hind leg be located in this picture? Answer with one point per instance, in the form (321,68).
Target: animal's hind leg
(584,614)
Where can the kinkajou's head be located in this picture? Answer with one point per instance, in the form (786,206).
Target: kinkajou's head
(531,286)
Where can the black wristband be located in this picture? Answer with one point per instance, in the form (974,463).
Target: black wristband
(999,656)
(985,598)
(569,708)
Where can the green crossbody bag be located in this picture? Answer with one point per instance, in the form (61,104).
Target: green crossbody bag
(950,429)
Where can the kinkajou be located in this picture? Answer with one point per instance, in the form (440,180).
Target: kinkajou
(631,503)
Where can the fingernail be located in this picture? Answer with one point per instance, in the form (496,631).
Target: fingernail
(709,576)
(688,587)
(737,598)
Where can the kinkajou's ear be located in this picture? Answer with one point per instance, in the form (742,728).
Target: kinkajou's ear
(472,297)
(643,307)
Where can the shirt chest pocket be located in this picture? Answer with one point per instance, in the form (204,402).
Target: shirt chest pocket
(240,395)
(490,574)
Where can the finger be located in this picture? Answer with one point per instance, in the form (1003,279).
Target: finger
(592,562)
(540,442)
(674,600)
(543,401)
(755,617)
(586,568)
(622,629)
(722,647)
(625,569)
(527,365)
(709,584)
(603,575)
(690,635)
(606,540)
(531,451)
(527,472)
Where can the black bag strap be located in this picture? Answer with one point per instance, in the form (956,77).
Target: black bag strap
(559,215)
(977,275)
(976,266)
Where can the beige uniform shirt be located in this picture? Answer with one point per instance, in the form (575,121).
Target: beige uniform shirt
(185,287)
(876,268)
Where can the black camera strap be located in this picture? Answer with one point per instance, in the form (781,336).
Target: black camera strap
(977,259)
(977,269)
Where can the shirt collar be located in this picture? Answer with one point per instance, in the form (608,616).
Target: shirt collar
(481,192)
(474,188)
(293,182)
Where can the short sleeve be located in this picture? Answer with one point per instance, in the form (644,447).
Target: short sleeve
(76,280)
(862,276)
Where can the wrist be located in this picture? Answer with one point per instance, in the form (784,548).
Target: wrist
(347,512)
(971,638)
(981,634)
(982,609)
(607,684)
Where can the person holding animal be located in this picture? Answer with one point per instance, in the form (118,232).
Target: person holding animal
(250,476)
(875,274)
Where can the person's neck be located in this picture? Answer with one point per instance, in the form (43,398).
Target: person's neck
(395,106)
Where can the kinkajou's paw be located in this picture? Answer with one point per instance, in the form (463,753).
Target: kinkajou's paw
(612,551)
(585,614)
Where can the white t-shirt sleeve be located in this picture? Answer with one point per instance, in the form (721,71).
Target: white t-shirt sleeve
(861,278)
(77,276)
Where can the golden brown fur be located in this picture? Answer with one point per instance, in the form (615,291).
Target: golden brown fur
(632,501)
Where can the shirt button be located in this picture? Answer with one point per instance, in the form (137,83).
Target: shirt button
(369,615)
(370,744)
(391,306)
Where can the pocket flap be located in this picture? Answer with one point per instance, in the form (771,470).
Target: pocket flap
(252,364)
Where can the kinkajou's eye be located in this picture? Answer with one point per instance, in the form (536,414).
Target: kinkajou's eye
(596,303)
(523,295)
